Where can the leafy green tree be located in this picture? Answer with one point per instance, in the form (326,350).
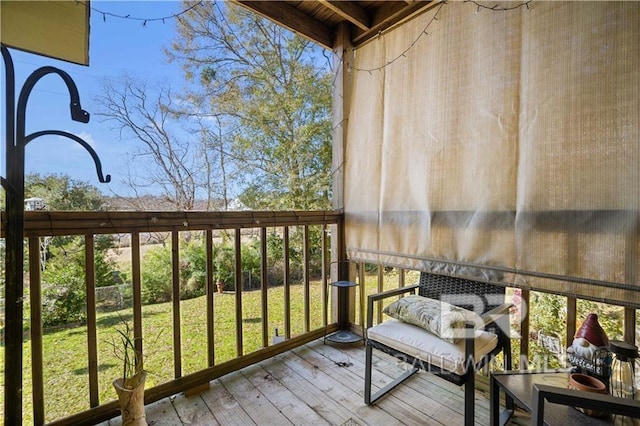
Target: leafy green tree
(548,316)
(273,89)
(62,193)
(63,258)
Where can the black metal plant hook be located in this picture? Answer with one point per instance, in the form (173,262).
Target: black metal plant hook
(9,110)
(85,145)
(77,114)
(13,183)
(16,128)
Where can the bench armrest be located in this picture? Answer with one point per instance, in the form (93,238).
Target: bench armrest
(496,313)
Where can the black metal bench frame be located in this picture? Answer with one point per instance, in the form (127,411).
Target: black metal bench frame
(472,295)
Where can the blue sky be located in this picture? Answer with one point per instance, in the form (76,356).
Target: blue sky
(116,46)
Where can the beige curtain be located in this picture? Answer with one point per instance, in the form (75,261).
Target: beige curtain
(502,145)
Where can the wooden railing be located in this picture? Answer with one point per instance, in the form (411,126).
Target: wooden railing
(134,224)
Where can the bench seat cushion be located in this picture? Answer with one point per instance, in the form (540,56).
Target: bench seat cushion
(419,343)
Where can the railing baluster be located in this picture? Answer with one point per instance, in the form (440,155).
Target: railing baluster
(630,325)
(306,294)
(287,284)
(363,294)
(92,339)
(525,298)
(264,287)
(325,278)
(137,295)
(630,275)
(177,347)
(380,289)
(238,278)
(36,331)
(572,313)
(211,356)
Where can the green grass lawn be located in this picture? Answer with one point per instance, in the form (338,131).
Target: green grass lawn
(66,384)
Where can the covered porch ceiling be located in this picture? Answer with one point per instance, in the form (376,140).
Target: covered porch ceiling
(319,20)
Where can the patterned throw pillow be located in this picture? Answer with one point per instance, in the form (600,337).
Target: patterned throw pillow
(440,318)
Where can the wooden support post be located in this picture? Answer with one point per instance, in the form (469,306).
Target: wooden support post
(342,57)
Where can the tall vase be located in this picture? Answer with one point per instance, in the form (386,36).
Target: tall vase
(132,400)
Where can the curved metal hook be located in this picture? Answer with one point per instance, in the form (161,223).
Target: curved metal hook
(10,94)
(78,139)
(77,113)
(10,98)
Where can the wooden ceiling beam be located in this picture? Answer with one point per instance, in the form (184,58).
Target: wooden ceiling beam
(389,15)
(349,11)
(292,19)
(367,22)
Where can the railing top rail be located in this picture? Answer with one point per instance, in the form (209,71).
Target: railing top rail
(52,223)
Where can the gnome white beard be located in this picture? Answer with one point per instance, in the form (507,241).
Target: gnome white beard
(582,348)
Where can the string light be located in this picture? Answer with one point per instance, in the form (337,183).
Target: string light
(134,18)
(403,54)
(497,7)
(424,32)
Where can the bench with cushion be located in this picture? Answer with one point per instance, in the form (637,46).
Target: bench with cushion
(452,328)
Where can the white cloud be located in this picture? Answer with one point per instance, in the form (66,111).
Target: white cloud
(87,137)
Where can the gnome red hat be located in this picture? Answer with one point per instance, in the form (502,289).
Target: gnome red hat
(591,331)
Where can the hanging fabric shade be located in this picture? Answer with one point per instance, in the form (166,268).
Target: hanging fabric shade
(503,146)
(57,29)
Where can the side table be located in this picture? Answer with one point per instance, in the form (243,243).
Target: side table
(518,386)
(624,411)
(343,335)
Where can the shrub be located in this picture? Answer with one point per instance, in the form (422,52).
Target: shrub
(157,278)
(63,294)
(194,272)
(251,264)
(156,275)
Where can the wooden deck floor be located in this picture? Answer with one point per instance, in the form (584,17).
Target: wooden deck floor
(317,384)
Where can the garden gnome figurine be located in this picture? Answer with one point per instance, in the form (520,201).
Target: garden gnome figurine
(589,337)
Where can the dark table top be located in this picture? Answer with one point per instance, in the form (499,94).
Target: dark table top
(520,385)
